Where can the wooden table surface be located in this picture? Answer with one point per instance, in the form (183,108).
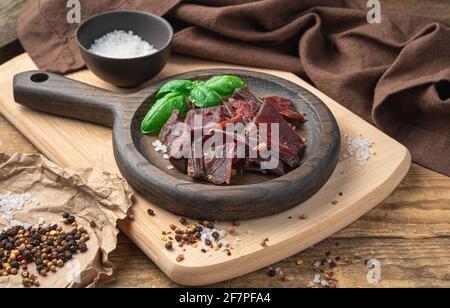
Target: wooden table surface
(409,233)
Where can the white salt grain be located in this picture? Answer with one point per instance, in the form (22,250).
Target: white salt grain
(121,45)
(317,278)
(11,203)
(361,149)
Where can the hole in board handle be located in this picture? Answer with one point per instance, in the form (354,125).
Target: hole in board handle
(39,77)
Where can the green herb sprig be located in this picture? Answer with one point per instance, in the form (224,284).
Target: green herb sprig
(173,96)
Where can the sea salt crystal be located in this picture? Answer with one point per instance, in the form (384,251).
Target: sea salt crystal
(11,203)
(157,143)
(361,149)
(170,167)
(316,278)
(224,244)
(207,233)
(166,157)
(289,278)
(120,44)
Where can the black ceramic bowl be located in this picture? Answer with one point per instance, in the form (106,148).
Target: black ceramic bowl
(133,71)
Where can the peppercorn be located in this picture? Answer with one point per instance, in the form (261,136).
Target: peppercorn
(71,219)
(67,256)
(82,247)
(216,235)
(210,225)
(169,245)
(150,212)
(26,283)
(178,237)
(15,264)
(180,258)
(65,215)
(73,249)
(183,221)
(272,272)
(60,263)
(14,271)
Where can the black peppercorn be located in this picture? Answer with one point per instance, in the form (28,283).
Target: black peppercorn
(272,272)
(210,225)
(71,219)
(216,235)
(82,247)
(67,255)
(65,215)
(73,249)
(169,245)
(40,267)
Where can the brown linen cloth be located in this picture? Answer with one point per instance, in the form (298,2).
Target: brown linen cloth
(395,74)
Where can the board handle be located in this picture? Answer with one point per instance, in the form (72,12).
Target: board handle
(58,95)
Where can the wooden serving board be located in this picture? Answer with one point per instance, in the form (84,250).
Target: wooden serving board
(71,142)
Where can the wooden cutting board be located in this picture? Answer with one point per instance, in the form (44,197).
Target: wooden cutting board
(71,142)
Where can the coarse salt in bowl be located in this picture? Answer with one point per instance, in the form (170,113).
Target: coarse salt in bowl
(125,48)
(121,44)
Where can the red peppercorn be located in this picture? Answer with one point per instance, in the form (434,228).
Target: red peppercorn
(20,258)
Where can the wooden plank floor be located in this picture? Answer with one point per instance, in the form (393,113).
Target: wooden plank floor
(408,233)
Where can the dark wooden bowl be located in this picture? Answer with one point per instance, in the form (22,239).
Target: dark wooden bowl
(249,196)
(126,72)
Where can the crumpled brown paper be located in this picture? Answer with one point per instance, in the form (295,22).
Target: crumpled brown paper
(88,194)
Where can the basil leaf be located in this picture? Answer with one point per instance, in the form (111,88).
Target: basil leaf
(174,86)
(204,97)
(197,83)
(225,85)
(161,111)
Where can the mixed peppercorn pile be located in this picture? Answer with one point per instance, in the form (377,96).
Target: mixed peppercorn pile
(49,247)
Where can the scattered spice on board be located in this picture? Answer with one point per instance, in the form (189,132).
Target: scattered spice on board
(204,235)
(150,212)
(264,242)
(47,246)
(303,217)
(169,245)
(334,202)
(180,258)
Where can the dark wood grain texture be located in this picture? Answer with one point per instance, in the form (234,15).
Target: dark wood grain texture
(58,95)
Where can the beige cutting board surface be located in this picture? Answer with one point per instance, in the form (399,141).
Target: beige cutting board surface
(70,142)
